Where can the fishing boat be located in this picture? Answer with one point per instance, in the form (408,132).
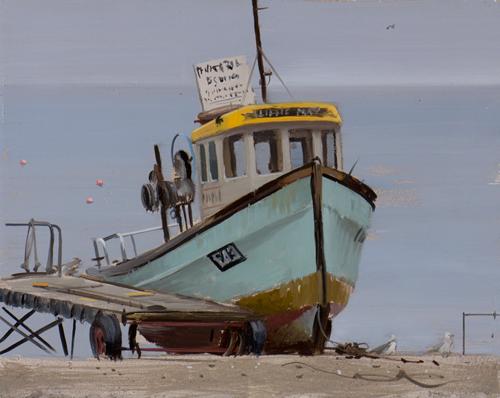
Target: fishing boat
(281,224)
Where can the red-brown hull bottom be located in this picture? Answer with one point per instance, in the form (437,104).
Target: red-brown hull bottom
(193,337)
(287,332)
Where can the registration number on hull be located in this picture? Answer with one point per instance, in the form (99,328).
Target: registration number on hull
(226,257)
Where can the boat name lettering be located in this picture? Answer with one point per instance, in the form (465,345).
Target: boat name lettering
(211,197)
(226,257)
(284,112)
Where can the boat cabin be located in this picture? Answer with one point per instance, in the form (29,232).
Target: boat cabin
(241,150)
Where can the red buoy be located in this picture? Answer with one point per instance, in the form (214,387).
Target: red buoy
(99,182)
(89,200)
(23,162)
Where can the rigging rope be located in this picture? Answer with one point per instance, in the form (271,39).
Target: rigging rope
(277,74)
(249,77)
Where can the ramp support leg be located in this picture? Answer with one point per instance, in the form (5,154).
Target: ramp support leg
(63,338)
(10,331)
(19,322)
(29,338)
(73,332)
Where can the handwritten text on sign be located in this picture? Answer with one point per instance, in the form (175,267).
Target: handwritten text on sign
(223,82)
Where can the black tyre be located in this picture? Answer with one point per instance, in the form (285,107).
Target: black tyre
(106,337)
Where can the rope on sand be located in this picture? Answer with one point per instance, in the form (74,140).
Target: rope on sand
(379,377)
(358,350)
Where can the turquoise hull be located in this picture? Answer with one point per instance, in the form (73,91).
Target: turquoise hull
(300,240)
(276,235)
(346,219)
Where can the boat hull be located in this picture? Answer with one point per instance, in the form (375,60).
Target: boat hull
(289,253)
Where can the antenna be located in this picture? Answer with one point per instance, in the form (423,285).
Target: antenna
(353,166)
(260,62)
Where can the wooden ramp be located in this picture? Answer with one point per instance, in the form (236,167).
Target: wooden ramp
(177,324)
(82,297)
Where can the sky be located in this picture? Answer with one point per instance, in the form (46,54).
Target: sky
(310,42)
(71,137)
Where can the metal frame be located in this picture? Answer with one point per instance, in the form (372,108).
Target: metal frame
(466,314)
(31,228)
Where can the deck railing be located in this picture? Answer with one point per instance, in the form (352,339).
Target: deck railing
(103,243)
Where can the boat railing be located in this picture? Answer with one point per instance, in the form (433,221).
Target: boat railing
(121,236)
(31,246)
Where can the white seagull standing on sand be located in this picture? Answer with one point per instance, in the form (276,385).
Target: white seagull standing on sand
(387,348)
(445,347)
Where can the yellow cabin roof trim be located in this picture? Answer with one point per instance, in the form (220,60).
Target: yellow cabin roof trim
(268,113)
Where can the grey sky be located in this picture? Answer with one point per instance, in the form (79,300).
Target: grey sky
(311,43)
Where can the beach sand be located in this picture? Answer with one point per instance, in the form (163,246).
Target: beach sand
(265,376)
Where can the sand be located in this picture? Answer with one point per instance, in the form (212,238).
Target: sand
(265,376)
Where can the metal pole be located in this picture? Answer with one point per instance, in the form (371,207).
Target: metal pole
(59,248)
(260,62)
(133,245)
(463,333)
(122,247)
(96,249)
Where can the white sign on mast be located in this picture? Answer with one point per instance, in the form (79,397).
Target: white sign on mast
(224,82)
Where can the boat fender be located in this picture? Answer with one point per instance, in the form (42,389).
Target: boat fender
(259,336)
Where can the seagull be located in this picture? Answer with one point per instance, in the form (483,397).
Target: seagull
(444,348)
(387,348)
(71,267)
(393,26)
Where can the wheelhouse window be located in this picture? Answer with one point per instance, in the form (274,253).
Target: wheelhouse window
(203,163)
(301,147)
(212,156)
(329,148)
(268,153)
(234,156)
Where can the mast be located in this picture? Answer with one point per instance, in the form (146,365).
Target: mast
(260,62)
